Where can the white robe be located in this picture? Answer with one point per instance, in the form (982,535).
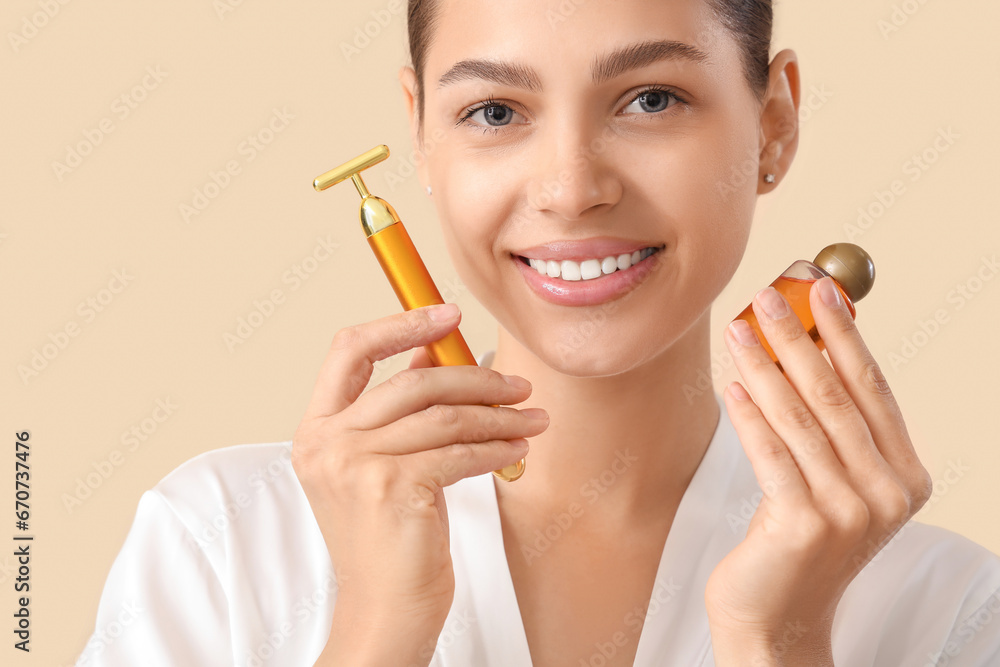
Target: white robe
(225,565)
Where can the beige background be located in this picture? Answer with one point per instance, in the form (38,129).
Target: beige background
(870,103)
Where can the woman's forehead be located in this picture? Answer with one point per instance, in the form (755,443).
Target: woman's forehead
(594,38)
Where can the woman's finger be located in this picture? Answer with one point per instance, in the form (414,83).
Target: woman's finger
(444,425)
(862,378)
(349,363)
(820,388)
(777,474)
(785,412)
(411,391)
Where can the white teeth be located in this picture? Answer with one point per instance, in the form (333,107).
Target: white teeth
(590,268)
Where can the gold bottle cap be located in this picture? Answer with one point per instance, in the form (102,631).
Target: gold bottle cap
(850,266)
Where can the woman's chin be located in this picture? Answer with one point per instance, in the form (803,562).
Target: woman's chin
(594,359)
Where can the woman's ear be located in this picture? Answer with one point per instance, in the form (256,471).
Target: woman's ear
(779,120)
(408,80)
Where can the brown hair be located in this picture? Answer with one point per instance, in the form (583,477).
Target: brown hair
(749,21)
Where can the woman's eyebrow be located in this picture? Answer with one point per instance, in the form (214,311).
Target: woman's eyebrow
(603,68)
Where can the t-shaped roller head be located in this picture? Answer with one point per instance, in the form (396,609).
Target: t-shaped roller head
(376,213)
(351,169)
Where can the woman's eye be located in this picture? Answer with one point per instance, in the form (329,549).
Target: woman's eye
(493,114)
(652,100)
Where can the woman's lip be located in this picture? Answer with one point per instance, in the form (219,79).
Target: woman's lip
(587,292)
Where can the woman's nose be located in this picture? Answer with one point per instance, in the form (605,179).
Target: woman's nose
(575,172)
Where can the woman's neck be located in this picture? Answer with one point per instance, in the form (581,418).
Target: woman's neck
(621,447)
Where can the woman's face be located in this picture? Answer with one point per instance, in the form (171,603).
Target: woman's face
(558,157)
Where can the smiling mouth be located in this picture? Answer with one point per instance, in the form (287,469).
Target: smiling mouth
(589,269)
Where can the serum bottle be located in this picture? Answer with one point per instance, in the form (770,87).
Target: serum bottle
(850,267)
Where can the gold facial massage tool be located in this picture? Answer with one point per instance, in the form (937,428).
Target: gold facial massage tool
(403,267)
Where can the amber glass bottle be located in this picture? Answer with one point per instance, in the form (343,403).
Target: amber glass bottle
(850,267)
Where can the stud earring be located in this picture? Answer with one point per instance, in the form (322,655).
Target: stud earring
(428,190)
(769,178)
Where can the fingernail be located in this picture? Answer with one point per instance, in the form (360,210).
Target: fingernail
(443,313)
(772,303)
(535,413)
(738,392)
(517,381)
(829,293)
(742,332)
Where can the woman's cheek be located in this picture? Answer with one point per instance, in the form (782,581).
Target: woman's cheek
(468,240)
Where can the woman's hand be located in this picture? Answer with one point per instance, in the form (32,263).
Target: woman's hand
(839,477)
(374,465)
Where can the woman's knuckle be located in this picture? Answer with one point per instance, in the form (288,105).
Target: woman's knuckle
(344,339)
(408,379)
(412,327)
(773,450)
(377,480)
(923,488)
(830,393)
(798,416)
(489,376)
(493,420)
(854,517)
(443,414)
(755,362)
(462,453)
(873,380)
(898,503)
